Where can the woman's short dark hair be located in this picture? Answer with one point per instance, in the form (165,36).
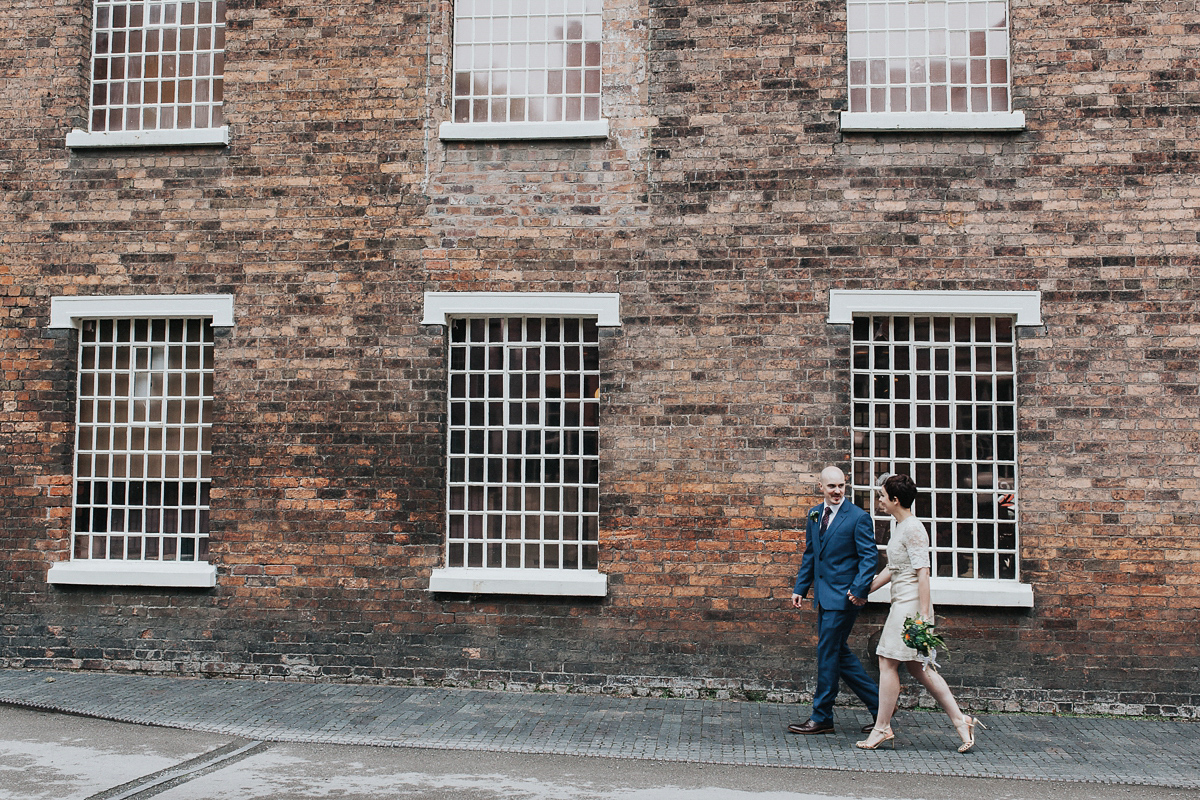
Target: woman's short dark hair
(901,489)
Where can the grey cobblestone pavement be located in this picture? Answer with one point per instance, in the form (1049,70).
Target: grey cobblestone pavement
(1154,752)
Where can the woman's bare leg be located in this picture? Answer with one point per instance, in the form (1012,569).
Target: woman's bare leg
(935,684)
(889,691)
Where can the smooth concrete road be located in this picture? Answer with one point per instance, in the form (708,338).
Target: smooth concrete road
(46,756)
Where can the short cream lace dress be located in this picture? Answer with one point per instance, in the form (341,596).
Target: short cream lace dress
(907,551)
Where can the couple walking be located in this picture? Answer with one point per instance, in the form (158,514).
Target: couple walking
(839,564)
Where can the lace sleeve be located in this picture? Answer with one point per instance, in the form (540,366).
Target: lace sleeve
(916,543)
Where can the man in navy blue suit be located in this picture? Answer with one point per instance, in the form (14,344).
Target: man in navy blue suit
(839,562)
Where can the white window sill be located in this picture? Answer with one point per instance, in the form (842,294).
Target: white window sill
(970,592)
(174,574)
(501,131)
(561,582)
(882,122)
(80,139)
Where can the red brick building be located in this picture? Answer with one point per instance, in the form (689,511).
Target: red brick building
(500,341)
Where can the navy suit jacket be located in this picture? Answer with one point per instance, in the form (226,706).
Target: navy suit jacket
(842,560)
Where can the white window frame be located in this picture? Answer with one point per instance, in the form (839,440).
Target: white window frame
(524,129)
(1025,308)
(932,121)
(439,309)
(79,139)
(69,312)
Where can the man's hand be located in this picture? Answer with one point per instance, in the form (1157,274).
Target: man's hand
(858,601)
(797,601)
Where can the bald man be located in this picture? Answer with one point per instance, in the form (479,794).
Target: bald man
(839,562)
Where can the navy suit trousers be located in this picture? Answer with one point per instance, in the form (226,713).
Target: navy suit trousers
(836,662)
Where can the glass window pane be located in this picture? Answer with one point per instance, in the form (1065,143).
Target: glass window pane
(966,468)
(529,366)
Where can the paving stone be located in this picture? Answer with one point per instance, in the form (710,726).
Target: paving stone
(1115,750)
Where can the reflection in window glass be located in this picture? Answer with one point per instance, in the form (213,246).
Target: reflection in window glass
(527,60)
(914,56)
(157,64)
(935,398)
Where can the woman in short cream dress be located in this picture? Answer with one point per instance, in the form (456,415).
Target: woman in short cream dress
(908,572)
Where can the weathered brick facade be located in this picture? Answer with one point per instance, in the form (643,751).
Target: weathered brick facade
(724,207)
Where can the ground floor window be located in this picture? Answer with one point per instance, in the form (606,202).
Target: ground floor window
(522,441)
(523,485)
(935,397)
(143,440)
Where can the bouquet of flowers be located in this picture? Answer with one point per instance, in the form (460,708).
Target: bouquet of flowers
(918,634)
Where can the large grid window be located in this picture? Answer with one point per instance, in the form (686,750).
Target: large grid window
(157,65)
(915,56)
(934,397)
(143,440)
(523,488)
(527,60)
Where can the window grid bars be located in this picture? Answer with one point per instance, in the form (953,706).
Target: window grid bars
(523,483)
(143,440)
(934,397)
(157,64)
(911,55)
(527,60)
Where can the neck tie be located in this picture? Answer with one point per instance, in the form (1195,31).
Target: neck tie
(825,519)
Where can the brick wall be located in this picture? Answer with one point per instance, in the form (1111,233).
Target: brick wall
(724,207)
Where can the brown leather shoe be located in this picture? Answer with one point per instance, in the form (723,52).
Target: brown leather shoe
(809,727)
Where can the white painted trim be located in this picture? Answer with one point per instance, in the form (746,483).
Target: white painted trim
(560,582)
(500,131)
(81,139)
(175,574)
(969,592)
(897,121)
(845,303)
(440,306)
(66,312)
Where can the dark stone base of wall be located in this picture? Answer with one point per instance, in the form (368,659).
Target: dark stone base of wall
(983,699)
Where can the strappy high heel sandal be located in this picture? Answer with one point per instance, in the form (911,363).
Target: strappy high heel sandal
(888,737)
(966,746)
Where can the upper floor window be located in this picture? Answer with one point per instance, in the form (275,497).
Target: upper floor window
(527,69)
(157,73)
(933,65)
